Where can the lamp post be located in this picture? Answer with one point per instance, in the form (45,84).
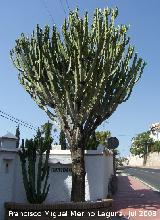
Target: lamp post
(112,144)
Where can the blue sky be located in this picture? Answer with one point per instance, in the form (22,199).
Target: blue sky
(132,117)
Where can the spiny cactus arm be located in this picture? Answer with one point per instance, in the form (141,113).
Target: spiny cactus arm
(41,103)
(140,68)
(85,41)
(39,169)
(74,36)
(37,96)
(51,115)
(121,93)
(33,66)
(44,168)
(105,112)
(31,84)
(62,140)
(45,192)
(102,66)
(23,154)
(47,141)
(57,59)
(124,89)
(45,187)
(110,65)
(66,100)
(54,78)
(97,40)
(31,165)
(29,54)
(47,146)
(72,52)
(122,80)
(70,32)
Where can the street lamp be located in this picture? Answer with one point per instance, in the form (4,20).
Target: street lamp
(112,144)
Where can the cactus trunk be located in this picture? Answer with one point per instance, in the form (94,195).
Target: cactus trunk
(78,172)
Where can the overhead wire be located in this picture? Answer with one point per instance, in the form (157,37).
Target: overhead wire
(16,120)
(63,8)
(8,115)
(67,5)
(48,11)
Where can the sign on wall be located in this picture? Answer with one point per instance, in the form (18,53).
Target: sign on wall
(61,169)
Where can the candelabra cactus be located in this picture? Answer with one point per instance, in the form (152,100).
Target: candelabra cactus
(18,136)
(79,77)
(34,162)
(62,140)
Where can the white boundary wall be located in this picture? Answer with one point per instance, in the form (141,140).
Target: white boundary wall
(153,160)
(135,161)
(99,168)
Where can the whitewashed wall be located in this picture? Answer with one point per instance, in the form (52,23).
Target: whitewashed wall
(153,160)
(98,171)
(7,178)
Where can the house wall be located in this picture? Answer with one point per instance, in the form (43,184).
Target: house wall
(94,176)
(8,144)
(7,166)
(19,194)
(98,171)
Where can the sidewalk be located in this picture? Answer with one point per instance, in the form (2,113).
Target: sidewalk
(135,200)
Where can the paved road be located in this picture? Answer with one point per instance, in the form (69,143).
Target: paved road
(147,175)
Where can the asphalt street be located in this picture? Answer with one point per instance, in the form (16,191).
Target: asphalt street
(147,175)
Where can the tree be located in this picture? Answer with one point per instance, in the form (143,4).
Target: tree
(35,177)
(121,161)
(18,136)
(62,140)
(98,137)
(102,137)
(79,77)
(142,144)
(92,143)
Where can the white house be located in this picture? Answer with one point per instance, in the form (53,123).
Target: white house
(98,164)
(155,131)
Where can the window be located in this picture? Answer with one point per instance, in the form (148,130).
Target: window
(7,165)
